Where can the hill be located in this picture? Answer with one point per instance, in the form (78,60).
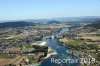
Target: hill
(16,24)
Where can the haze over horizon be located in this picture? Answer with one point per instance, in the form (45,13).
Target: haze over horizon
(36,9)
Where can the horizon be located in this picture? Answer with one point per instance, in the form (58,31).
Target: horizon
(29,9)
(48,18)
(54,18)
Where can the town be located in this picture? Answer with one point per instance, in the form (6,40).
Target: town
(24,45)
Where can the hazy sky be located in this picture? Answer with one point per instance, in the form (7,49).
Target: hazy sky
(27,9)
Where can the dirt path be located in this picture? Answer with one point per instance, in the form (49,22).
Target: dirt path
(19,60)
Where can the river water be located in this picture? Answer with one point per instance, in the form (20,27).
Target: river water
(61,53)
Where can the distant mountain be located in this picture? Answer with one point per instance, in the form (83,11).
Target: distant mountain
(53,22)
(16,24)
(77,19)
(68,20)
(87,19)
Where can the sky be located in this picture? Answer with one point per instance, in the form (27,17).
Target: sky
(35,9)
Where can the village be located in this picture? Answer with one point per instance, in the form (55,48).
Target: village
(24,45)
(84,43)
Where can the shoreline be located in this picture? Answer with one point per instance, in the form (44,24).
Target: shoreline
(50,52)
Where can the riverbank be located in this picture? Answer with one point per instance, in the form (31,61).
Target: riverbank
(82,52)
(50,52)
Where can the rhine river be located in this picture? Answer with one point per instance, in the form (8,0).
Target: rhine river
(62,55)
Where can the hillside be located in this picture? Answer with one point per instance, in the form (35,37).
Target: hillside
(16,24)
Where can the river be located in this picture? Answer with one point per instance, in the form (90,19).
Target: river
(61,53)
